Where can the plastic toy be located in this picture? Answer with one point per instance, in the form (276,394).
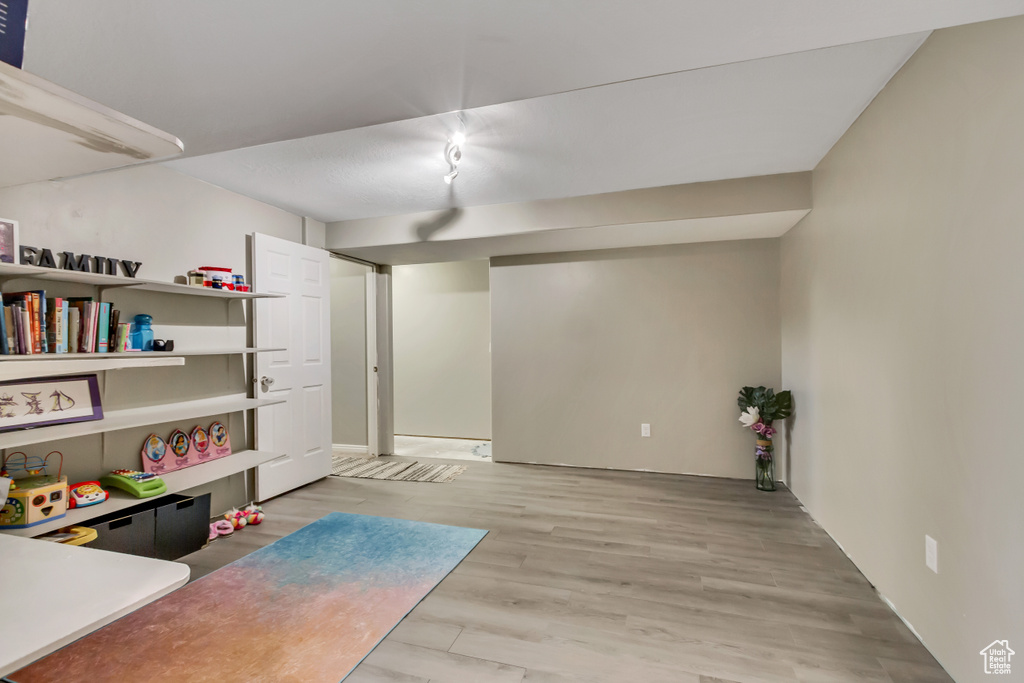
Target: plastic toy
(36,498)
(221,440)
(201,443)
(73,535)
(153,452)
(86,493)
(179,444)
(139,484)
(237,517)
(254,514)
(221,527)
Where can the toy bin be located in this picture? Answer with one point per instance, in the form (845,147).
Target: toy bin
(182,525)
(126,531)
(165,528)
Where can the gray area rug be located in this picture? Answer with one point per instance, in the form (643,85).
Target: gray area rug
(373,468)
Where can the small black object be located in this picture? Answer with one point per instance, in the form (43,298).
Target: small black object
(159,345)
(169,345)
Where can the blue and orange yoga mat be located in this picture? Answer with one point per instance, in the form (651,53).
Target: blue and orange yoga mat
(308,607)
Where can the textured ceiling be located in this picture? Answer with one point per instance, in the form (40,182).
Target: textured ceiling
(561,98)
(225,74)
(755,118)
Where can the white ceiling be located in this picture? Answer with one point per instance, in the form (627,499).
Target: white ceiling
(561,97)
(762,117)
(233,73)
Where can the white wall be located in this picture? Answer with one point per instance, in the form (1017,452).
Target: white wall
(589,345)
(903,341)
(442,359)
(348,352)
(172,223)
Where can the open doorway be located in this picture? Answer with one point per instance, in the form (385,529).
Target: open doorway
(442,360)
(353,425)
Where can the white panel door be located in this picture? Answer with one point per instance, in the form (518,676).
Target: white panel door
(299,321)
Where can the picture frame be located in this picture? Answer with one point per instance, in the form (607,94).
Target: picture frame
(9,244)
(46,401)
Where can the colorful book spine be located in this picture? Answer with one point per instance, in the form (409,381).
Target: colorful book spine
(3,335)
(103,329)
(64,327)
(115,319)
(94,331)
(35,310)
(12,334)
(27,327)
(53,325)
(39,298)
(123,332)
(74,329)
(19,338)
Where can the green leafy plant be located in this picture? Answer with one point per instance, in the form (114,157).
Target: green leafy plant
(770,406)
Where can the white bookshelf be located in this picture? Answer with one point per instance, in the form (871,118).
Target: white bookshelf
(177,481)
(13,367)
(225,351)
(11,271)
(49,365)
(135,417)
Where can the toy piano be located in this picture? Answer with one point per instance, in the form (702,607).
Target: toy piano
(139,484)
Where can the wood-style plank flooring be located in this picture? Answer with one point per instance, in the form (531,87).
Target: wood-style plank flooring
(592,575)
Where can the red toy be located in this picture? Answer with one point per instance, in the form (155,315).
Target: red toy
(86,493)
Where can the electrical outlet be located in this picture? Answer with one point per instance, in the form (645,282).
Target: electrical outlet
(931,553)
(645,429)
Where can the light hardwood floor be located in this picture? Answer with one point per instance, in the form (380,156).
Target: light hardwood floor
(618,577)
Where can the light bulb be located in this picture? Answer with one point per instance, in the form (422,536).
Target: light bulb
(458,138)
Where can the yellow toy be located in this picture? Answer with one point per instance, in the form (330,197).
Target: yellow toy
(37,498)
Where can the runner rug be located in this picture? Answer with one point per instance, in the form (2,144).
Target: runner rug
(308,607)
(393,470)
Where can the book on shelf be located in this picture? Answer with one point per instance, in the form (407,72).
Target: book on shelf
(103,328)
(12,333)
(31,323)
(4,347)
(74,327)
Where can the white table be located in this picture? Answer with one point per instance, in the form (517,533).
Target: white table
(69,591)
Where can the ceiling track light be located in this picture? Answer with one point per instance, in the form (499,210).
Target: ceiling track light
(453,152)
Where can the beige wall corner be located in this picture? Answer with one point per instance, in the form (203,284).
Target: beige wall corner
(902,333)
(314,232)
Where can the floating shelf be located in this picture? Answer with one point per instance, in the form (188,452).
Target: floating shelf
(10,271)
(55,133)
(228,351)
(177,481)
(135,417)
(50,364)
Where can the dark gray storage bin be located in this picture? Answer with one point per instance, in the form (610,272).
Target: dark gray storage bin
(126,531)
(182,525)
(166,528)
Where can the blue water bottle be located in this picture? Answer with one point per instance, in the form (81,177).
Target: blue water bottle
(142,332)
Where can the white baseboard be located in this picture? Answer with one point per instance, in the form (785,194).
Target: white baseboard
(350,447)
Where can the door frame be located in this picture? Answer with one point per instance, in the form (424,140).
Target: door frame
(377,308)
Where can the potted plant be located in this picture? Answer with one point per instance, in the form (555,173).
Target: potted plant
(760,408)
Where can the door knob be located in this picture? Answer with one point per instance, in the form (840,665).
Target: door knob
(266,383)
